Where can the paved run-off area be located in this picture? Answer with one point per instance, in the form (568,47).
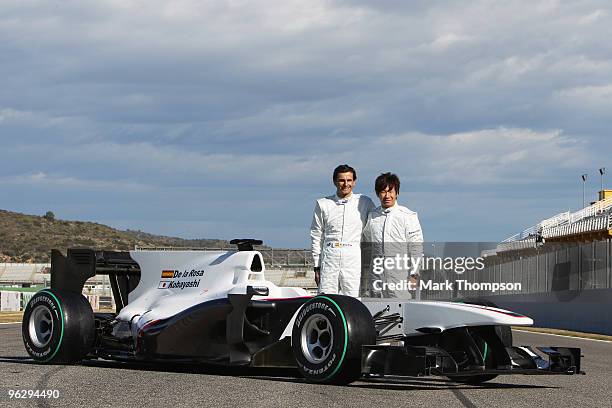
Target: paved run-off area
(110,384)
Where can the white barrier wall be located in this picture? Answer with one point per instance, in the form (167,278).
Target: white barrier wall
(10,301)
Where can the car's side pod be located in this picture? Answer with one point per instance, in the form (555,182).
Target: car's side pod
(239,353)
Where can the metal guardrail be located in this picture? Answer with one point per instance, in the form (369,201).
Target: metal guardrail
(565,269)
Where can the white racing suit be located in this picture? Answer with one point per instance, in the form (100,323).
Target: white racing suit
(393,246)
(335,233)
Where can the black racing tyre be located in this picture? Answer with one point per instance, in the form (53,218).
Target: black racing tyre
(489,360)
(58,327)
(327,336)
(505,335)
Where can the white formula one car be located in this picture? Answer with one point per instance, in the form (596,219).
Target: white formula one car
(218,308)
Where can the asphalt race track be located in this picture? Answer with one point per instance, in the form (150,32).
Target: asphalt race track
(110,384)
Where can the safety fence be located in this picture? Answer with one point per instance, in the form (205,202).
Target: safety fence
(551,268)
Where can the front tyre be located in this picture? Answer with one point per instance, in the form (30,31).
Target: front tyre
(327,337)
(58,327)
(488,357)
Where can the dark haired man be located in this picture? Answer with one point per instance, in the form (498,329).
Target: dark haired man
(392,231)
(335,233)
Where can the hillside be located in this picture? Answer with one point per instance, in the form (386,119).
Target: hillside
(30,238)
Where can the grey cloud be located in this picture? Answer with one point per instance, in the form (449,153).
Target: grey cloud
(198,97)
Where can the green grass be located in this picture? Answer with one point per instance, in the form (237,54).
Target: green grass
(30,289)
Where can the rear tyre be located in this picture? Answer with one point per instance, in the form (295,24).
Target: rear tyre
(58,327)
(327,337)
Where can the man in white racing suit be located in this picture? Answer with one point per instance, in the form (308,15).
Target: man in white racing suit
(335,233)
(393,244)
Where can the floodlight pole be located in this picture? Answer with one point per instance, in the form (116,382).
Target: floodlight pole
(602,171)
(584,179)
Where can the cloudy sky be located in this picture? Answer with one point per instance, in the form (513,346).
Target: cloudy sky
(226,119)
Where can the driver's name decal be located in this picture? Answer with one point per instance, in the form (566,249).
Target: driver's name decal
(173,279)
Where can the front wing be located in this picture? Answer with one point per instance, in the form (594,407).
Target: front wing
(416,361)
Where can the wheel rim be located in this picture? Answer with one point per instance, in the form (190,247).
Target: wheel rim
(40,327)
(317,338)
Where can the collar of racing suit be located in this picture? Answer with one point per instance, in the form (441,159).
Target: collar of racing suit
(386,211)
(345,199)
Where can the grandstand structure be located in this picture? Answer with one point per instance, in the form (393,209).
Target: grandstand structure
(24,274)
(588,224)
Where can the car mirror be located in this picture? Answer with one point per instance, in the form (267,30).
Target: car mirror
(258,291)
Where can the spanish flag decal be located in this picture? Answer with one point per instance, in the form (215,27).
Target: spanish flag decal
(167,274)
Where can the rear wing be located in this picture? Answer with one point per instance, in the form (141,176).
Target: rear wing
(70,272)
